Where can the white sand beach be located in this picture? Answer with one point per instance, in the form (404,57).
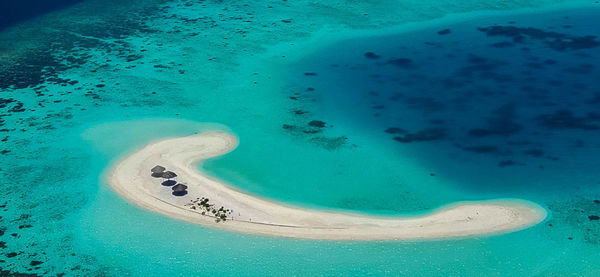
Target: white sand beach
(251,214)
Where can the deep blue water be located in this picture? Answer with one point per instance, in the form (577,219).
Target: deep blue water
(12,12)
(515,98)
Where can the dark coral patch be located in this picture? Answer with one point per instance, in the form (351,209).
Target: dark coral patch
(506,163)
(395,130)
(300,112)
(483,149)
(503,44)
(34,263)
(5,101)
(564,119)
(18,108)
(502,122)
(444,32)
(556,41)
(311,131)
(330,143)
(371,55)
(534,152)
(317,123)
(474,59)
(425,104)
(402,63)
(131,58)
(585,68)
(428,134)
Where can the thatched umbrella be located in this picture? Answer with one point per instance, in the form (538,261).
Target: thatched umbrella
(168,175)
(157,171)
(179,190)
(169,183)
(179,187)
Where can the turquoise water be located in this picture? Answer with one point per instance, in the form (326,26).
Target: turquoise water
(136,72)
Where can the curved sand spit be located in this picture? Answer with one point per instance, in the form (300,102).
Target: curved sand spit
(131,178)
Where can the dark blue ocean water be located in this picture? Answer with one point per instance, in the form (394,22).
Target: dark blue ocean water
(514,98)
(12,12)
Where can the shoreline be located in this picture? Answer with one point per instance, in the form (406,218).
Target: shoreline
(251,214)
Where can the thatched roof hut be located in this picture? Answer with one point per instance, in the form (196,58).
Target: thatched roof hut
(158,169)
(179,187)
(179,190)
(169,174)
(168,183)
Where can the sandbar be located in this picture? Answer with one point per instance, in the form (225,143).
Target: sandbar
(131,178)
